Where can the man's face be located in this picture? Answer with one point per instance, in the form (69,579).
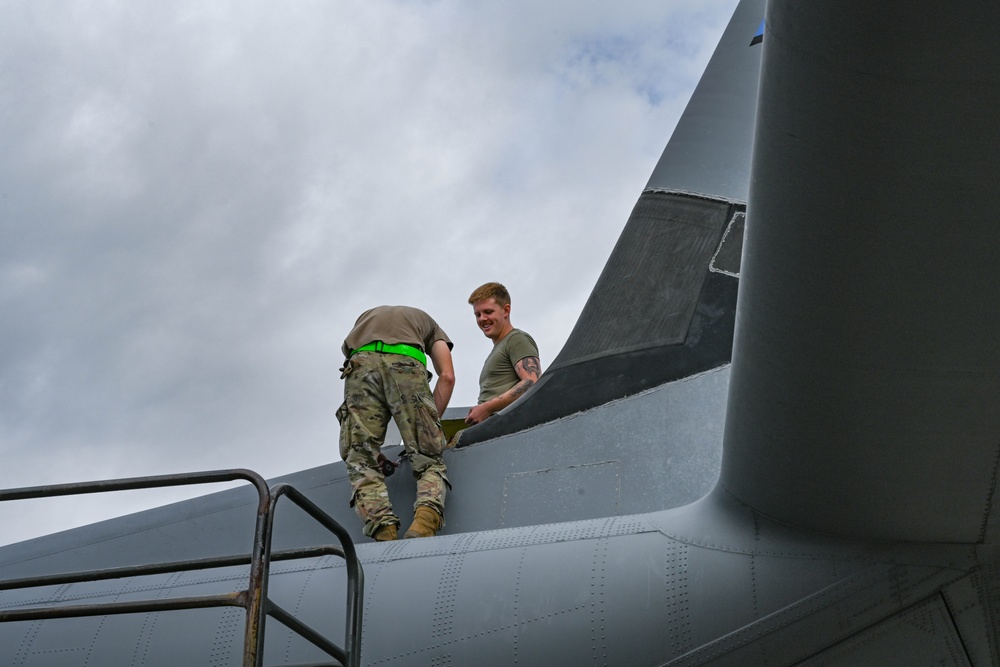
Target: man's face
(491,317)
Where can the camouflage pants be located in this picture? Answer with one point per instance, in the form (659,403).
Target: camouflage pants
(376,387)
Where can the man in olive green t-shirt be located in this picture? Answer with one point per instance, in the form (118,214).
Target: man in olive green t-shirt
(512,367)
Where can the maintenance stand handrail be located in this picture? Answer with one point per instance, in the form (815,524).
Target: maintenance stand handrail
(253,599)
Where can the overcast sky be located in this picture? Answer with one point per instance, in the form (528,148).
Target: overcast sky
(197,199)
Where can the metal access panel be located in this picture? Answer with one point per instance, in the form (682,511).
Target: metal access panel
(730,252)
(923,634)
(574,493)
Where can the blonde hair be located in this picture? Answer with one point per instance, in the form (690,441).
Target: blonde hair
(494,291)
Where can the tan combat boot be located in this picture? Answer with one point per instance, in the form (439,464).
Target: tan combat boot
(385,533)
(426,522)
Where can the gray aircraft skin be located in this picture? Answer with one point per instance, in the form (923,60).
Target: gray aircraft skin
(772,438)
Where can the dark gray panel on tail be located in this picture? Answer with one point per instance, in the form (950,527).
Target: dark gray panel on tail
(648,291)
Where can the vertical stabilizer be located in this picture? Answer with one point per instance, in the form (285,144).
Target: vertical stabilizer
(866,370)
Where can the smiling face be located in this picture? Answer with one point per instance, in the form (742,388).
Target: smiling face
(492,318)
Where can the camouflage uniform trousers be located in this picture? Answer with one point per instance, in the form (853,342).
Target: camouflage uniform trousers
(378,386)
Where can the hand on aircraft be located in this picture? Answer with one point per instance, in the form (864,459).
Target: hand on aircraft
(477,414)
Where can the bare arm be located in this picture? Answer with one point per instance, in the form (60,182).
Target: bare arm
(528,369)
(441,358)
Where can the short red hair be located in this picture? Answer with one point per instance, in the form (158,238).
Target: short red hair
(494,291)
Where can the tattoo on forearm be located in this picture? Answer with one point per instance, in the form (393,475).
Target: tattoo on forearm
(521,387)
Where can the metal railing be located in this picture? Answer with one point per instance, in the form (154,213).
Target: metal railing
(253,599)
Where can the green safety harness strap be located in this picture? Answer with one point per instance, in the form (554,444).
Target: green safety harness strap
(407,350)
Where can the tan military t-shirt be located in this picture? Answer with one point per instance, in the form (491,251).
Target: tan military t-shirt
(395,325)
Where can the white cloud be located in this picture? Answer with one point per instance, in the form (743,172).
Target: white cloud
(196,201)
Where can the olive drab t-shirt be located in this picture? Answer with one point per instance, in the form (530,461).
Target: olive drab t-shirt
(395,325)
(498,371)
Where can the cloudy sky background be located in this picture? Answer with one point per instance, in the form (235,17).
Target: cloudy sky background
(198,199)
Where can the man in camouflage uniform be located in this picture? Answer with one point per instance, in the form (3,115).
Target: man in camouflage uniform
(385,376)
